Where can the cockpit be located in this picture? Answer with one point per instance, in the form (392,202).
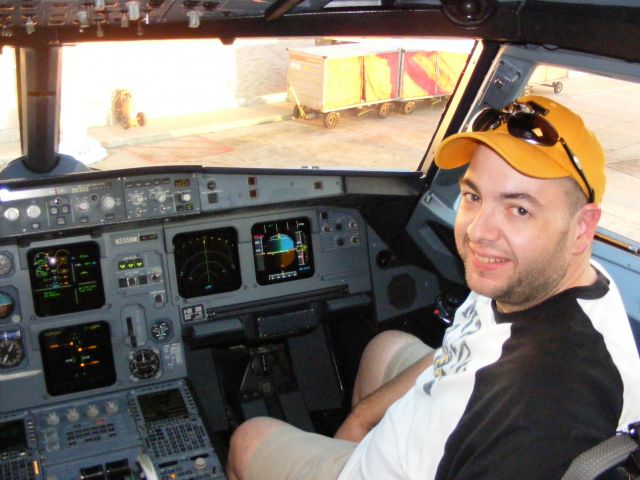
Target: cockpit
(162,281)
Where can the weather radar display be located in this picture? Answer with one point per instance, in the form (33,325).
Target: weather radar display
(282,250)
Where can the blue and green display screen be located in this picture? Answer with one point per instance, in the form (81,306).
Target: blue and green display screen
(66,278)
(282,250)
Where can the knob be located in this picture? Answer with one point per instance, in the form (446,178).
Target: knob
(137,199)
(33,211)
(161,197)
(73,415)
(184,197)
(112,407)
(83,205)
(200,463)
(108,202)
(53,418)
(12,214)
(92,411)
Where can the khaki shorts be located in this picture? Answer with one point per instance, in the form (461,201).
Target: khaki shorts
(293,454)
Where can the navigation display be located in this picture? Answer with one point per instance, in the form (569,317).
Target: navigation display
(282,250)
(66,278)
(207,262)
(77,358)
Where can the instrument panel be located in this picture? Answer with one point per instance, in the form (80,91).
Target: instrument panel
(155,431)
(105,307)
(103,278)
(95,201)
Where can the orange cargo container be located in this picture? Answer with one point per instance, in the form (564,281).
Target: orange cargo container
(328,79)
(429,75)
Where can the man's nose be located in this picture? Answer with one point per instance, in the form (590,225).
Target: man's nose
(484,225)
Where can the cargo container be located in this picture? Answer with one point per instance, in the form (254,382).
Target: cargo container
(325,80)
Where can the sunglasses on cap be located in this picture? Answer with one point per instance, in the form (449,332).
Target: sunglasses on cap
(526,121)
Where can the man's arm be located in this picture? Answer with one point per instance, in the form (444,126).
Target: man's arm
(370,410)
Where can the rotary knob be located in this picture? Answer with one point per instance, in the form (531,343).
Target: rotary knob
(184,197)
(83,205)
(112,407)
(108,202)
(73,415)
(92,411)
(53,418)
(160,197)
(12,214)
(33,211)
(137,199)
(200,463)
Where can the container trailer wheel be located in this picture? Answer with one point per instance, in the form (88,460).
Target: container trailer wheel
(384,110)
(331,119)
(408,107)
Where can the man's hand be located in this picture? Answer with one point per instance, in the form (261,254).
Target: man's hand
(370,410)
(357,424)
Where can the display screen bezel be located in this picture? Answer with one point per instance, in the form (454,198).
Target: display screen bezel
(70,298)
(268,274)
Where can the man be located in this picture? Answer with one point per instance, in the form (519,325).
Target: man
(540,363)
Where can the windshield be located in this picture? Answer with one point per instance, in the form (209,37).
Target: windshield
(277,103)
(327,103)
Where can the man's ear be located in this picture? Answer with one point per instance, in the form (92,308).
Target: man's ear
(587,222)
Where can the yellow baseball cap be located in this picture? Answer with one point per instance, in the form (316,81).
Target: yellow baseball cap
(534,160)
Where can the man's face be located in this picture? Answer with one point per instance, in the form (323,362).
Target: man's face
(513,233)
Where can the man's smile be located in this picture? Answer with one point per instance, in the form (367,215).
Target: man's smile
(488,260)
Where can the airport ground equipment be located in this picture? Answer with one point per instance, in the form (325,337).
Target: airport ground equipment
(123,108)
(325,81)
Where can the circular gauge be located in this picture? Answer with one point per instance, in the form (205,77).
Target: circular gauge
(6,264)
(161,330)
(7,304)
(11,353)
(144,364)
(207,262)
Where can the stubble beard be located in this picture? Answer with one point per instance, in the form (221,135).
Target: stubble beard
(532,281)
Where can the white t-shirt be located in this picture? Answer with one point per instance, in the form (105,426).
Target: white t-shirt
(512,395)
